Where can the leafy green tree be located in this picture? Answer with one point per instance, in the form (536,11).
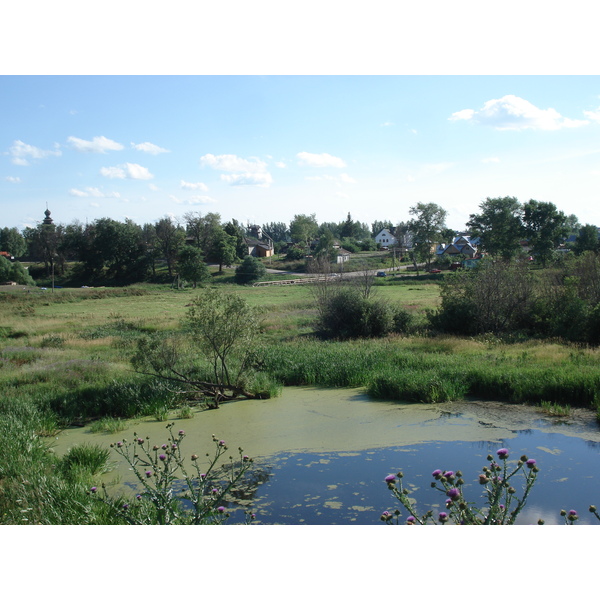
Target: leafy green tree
(44,244)
(545,228)
(278,232)
(325,246)
(249,271)
(205,231)
(499,225)
(192,266)
(236,231)
(14,271)
(12,241)
(303,229)
(170,238)
(427,227)
(377,226)
(224,328)
(224,249)
(587,240)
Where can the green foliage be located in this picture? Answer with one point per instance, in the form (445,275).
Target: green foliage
(90,458)
(503,504)
(495,298)
(499,225)
(296,253)
(159,469)
(545,228)
(14,271)
(250,271)
(587,240)
(192,266)
(427,228)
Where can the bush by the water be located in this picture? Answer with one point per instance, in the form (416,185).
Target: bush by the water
(347,314)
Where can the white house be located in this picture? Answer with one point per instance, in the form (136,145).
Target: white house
(386,238)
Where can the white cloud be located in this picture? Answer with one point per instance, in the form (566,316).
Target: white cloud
(259,179)
(280,165)
(231,162)
(387,124)
(594,115)
(512,112)
(149,148)
(13,179)
(93,193)
(343,178)
(307,159)
(491,159)
(243,171)
(126,171)
(193,200)
(98,144)
(153,187)
(187,185)
(22,152)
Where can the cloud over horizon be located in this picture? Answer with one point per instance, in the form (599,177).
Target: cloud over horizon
(307,159)
(242,171)
(514,113)
(21,153)
(126,171)
(149,148)
(99,144)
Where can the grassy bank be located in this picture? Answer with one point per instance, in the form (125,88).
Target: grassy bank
(65,358)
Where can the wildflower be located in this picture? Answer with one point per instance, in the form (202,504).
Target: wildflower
(437,474)
(138,497)
(181,432)
(449,474)
(443,517)
(148,473)
(453,493)
(572,515)
(390,478)
(94,490)
(164,446)
(140,441)
(119,444)
(221,509)
(530,463)
(125,506)
(162,457)
(222,443)
(502,453)
(410,520)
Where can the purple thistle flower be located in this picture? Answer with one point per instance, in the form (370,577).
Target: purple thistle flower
(390,478)
(449,474)
(453,493)
(221,509)
(531,463)
(222,443)
(138,497)
(443,517)
(502,453)
(573,513)
(94,490)
(164,446)
(125,506)
(162,457)
(437,474)
(181,432)
(148,473)
(410,520)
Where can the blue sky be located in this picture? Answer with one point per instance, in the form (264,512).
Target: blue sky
(264,148)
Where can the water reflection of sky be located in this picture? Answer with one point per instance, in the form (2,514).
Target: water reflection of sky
(348,488)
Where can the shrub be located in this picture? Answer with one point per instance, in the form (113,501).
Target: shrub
(249,271)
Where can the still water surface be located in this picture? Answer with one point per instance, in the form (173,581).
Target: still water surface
(324,453)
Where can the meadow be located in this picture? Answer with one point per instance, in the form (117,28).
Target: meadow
(65,360)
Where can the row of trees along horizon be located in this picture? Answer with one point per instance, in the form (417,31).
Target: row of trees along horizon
(107,250)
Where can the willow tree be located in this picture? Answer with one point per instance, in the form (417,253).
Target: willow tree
(219,330)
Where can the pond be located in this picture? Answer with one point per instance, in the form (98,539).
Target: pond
(323,454)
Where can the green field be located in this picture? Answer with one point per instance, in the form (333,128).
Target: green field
(65,359)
